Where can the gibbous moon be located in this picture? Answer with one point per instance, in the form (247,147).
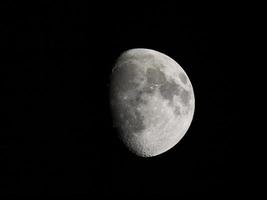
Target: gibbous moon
(152,101)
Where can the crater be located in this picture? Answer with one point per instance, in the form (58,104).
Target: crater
(183,78)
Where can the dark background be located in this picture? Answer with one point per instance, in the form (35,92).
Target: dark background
(56,135)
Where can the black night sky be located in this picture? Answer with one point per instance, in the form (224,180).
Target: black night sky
(56,135)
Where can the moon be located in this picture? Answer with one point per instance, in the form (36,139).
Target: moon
(152,101)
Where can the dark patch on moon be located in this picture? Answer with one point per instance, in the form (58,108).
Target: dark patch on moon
(183,78)
(157,79)
(155,76)
(169,89)
(177,110)
(185,97)
(136,99)
(149,89)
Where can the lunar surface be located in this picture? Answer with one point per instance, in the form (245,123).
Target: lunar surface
(152,101)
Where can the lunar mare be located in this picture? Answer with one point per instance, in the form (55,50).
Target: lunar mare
(152,101)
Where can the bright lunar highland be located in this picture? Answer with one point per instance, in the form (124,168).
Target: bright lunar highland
(152,101)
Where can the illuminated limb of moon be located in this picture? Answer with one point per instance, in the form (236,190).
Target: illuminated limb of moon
(152,101)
